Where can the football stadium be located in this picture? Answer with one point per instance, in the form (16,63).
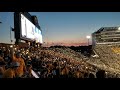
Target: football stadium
(28,58)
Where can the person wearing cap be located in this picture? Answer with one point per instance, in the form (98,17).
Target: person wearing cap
(20,71)
(10,72)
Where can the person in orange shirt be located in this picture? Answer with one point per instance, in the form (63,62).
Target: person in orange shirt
(1,72)
(20,71)
(3,64)
(65,71)
(10,72)
(2,68)
(1,58)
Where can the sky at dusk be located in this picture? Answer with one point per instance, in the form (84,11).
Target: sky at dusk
(68,28)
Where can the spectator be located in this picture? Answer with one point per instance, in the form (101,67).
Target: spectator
(28,73)
(86,75)
(65,72)
(91,75)
(1,72)
(100,74)
(2,64)
(20,71)
(1,58)
(2,68)
(11,72)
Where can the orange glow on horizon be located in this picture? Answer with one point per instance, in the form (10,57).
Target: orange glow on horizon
(65,44)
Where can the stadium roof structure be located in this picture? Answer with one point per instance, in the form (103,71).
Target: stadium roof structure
(106,29)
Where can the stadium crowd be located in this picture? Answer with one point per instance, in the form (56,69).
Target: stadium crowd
(46,63)
(108,59)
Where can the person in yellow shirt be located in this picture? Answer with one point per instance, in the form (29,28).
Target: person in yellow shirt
(10,72)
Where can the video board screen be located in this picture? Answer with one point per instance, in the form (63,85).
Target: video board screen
(29,30)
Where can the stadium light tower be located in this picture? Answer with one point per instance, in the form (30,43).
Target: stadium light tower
(88,37)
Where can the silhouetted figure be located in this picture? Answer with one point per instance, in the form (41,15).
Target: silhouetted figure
(91,75)
(100,74)
(86,75)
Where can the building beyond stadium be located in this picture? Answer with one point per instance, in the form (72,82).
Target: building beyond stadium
(106,35)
